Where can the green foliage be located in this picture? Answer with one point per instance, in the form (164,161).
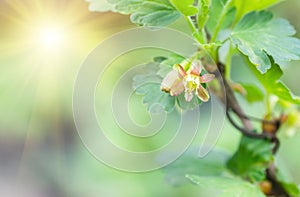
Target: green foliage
(245,6)
(166,64)
(258,35)
(272,85)
(147,13)
(215,15)
(265,42)
(155,13)
(229,187)
(290,187)
(252,158)
(185,7)
(148,84)
(125,6)
(253,93)
(100,5)
(203,13)
(213,164)
(171,60)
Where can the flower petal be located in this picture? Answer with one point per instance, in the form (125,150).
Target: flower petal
(202,93)
(188,96)
(172,83)
(180,70)
(195,68)
(206,78)
(169,80)
(177,88)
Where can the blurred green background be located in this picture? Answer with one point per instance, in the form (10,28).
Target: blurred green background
(41,153)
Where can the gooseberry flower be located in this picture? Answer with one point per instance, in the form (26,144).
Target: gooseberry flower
(190,81)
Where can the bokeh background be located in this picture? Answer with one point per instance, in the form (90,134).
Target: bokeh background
(41,153)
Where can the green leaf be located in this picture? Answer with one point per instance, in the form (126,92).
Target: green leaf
(185,7)
(245,6)
(155,13)
(148,84)
(290,187)
(253,93)
(215,13)
(99,5)
(272,85)
(203,13)
(167,63)
(252,158)
(213,164)
(125,6)
(229,187)
(143,12)
(173,59)
(259,35)
(159,59)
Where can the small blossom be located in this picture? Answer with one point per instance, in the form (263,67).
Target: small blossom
(179,80)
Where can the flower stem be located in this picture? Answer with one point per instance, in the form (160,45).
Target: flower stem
(228,63)
(195,32)
(221,20)
(268,104)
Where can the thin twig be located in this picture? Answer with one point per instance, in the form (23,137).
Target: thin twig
(232,105)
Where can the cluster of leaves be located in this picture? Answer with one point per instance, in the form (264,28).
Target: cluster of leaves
(211,172)
(148,84)
(252,159)
(228,174)
(231,27)
(255,33)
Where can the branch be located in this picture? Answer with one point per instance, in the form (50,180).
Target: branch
(232,105)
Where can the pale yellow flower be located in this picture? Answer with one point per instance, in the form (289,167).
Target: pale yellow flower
(190,81)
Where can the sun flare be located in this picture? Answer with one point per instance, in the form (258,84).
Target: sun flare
(50,37)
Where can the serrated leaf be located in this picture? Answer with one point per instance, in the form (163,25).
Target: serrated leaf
(125,6)
(229,187)
(271,83)
(259,35)
(99,5)
(155,13)
(252,158)
(185,7)
(213,164)
(143,12)
(148,84)
(253,93)
(245,6)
